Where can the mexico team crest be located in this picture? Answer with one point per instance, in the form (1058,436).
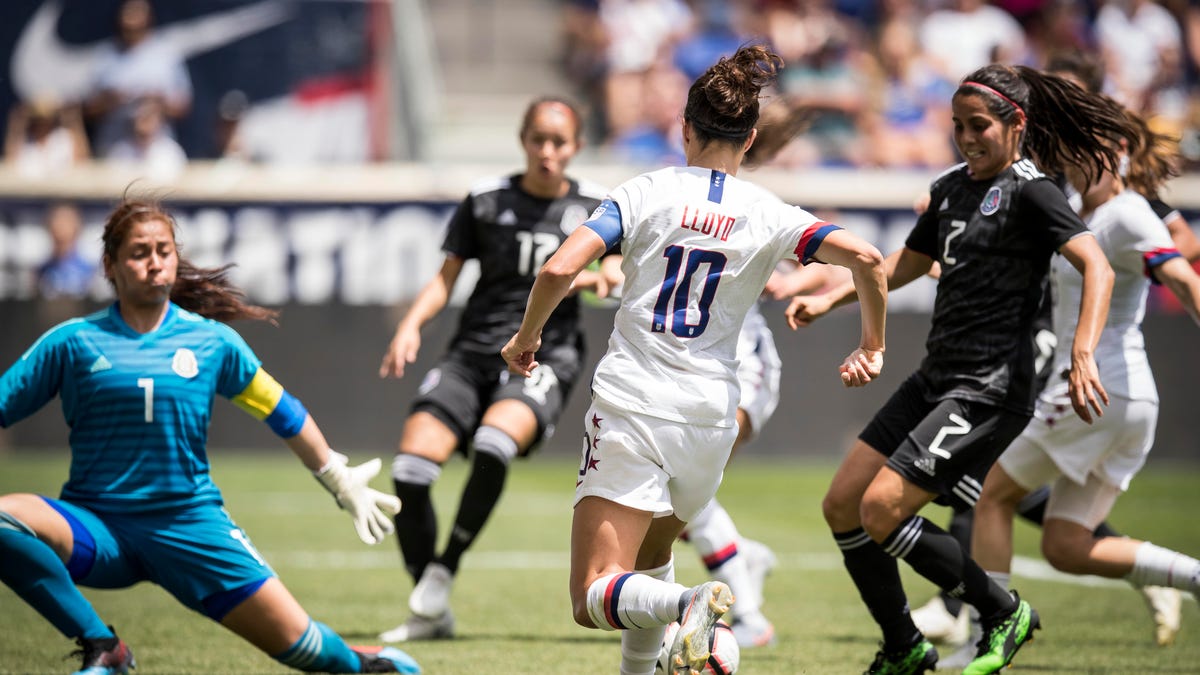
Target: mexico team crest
(991,202)
(184,364)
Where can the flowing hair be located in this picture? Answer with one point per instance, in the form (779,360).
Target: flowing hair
(1065,125)
(205,291)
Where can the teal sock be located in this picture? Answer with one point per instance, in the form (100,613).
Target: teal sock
(320,650)
(36,574)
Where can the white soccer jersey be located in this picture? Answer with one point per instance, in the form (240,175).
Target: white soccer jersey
(698,246)
(1135,241)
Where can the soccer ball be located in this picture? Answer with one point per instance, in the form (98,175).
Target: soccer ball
(724,653)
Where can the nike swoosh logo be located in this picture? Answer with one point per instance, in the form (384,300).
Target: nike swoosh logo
(42,63)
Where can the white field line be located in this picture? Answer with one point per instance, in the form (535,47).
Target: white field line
(1023,568)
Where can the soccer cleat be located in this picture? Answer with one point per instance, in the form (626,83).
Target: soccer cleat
(421,628)
(1002,638)
(760,561)
(430,598)
(938,625)
(965,653)
(385,660)
(706,603)
(106,656)
(1165,605)
(912,660)
(752,631)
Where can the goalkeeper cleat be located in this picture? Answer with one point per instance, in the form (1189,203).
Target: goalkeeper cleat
(753,630)
(105,656)
(1002,637)
(1165,605)
(760,561)
(430,598)
(421,628)
(914,659)
(937,624)
(705,604)
(385,660)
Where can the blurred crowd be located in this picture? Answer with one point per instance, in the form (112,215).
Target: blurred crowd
(876,76)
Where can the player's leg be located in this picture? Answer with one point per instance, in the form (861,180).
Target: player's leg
(947,454)
(272,620)
(44,545)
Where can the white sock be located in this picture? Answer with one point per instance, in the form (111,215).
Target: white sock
(1002,578)
(1158,566)
(715,537)
(630,600)
(640,647)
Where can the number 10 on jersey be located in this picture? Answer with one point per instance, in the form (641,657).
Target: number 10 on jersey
(671,307)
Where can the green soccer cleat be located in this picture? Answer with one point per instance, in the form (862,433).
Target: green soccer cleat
(912,660)
(1002,638)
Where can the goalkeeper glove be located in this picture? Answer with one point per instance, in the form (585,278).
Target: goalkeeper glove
(371,509)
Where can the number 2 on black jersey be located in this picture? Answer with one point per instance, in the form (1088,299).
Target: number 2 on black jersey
(677,291)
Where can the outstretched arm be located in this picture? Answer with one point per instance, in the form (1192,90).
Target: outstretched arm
(371,510)
(1179,277)
(1085,254)
(553,283)
(900,268)
(432,298)
(868,275)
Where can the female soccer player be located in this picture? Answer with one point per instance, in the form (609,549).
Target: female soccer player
(137,382)
(511,225)
(698,247)
(993,224)
(1089,466)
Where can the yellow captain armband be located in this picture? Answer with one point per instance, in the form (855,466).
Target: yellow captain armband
(266,400)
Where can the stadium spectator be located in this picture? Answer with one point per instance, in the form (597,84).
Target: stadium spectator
(44,138)
(974,391)
(149,148)
(656,139)
(654,456)
(1142,45)
(906,124)
(467,400)
(640,33)
(140,504)
(67,274)
(970,34)
(135,66)
(823,54)
(1088,466)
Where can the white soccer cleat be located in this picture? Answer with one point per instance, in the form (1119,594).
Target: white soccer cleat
(962,657)
(430,598)
(939,625)
(724,659)
(690,651)
(1165,605)
(421,628)
(753,630)
(760,561)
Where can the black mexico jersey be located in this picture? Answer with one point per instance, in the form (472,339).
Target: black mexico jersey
(512,233)
(994,239)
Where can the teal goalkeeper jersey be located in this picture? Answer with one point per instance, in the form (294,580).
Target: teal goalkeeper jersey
(138,406)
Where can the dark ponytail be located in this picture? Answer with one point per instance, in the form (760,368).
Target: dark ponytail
(1155,162)
(205,291)
(1065,125)
(723,102)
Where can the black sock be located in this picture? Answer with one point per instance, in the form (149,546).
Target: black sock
(416,526)
(960,528)
(1033,509)
(877,577)
(479,499)
(935,555)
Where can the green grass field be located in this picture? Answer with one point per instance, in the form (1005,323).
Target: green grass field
(511,600)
